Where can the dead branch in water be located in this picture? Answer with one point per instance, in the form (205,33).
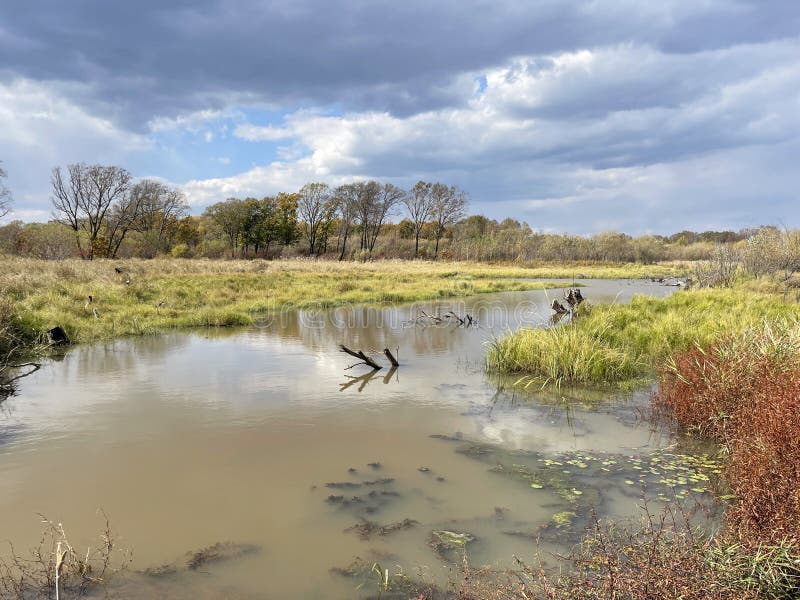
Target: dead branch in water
(423,319)
(360,355)
(391,358)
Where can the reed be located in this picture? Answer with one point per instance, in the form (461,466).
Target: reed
(615,343)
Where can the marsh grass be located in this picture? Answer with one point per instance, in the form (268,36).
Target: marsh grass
(618,343)
(563,354)
(165,294)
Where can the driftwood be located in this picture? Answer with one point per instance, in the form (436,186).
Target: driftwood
(573,298)
(391,358)
(360,355)
(449,318)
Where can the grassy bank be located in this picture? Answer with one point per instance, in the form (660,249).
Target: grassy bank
(615,343)
(158,295)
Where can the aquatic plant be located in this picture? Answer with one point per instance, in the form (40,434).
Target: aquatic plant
(570,353)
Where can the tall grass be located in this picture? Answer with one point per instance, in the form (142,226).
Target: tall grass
(568,353)
(154,296)
(612,343)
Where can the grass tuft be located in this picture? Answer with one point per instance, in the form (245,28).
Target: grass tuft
(614,343)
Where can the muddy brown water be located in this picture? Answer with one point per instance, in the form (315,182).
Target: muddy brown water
(193,438)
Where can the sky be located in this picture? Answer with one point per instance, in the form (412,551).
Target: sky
(573,116)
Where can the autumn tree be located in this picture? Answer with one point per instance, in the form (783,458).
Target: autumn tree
(448,205)
(83,198)
(375,203)
(348,204)
(419,203)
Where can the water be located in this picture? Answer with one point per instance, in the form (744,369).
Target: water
(189,439)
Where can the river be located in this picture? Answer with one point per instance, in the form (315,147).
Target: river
(192,438)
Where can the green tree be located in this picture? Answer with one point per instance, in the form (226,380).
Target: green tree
(288,227)
(230,217)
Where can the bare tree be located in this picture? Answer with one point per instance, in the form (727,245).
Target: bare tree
(388,197)
(119,220)
(375,202)
(83,201)
(316,208)
(348,199)
(5,195)
(159,209)
(419,203)
(449,206)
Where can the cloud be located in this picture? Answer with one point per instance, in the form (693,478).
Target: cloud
(519,124)
(163,60)
(586,114)
(41,130)
(255,133)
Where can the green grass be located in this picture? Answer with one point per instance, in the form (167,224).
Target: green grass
(617,343)
(168,294)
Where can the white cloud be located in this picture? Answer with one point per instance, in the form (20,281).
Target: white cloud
(192,122)
(267,133)
(601,127)
(41,130)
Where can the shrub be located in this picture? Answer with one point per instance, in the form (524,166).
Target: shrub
(744,392)
(180,251)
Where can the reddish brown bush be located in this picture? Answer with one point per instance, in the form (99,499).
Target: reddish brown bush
(764,466)
(744,392)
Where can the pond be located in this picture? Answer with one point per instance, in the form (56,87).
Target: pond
(263,437)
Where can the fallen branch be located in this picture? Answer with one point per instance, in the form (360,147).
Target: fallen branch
(360,355)
(391,357)
(450,318)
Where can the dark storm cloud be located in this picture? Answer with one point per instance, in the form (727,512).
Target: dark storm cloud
(135,61)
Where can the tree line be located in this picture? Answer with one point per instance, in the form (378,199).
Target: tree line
(101,211)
